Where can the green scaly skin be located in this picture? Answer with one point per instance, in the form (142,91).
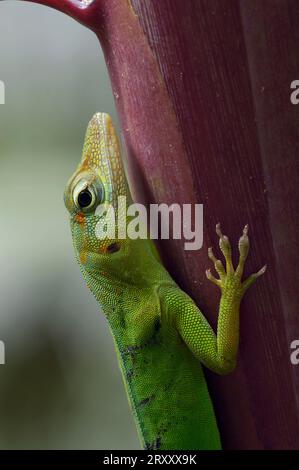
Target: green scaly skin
(161,337)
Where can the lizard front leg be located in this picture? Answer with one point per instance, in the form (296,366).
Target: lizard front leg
(219,353)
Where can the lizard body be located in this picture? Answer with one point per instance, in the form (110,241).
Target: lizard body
(160,335)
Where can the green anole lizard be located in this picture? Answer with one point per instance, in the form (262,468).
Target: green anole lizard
(160,335)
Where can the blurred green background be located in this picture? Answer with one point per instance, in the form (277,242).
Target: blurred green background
(61,386)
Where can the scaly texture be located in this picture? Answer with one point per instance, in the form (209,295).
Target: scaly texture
(161,337)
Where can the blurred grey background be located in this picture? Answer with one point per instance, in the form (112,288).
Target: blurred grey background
(61,386)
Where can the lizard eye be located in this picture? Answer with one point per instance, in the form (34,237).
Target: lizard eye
(86,196)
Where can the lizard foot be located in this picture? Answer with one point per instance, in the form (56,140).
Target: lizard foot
(230,279)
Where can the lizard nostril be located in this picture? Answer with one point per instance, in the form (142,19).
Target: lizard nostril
(113,248)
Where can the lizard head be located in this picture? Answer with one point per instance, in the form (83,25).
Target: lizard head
(92,193)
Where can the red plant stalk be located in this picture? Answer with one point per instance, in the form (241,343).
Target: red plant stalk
(201,88)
